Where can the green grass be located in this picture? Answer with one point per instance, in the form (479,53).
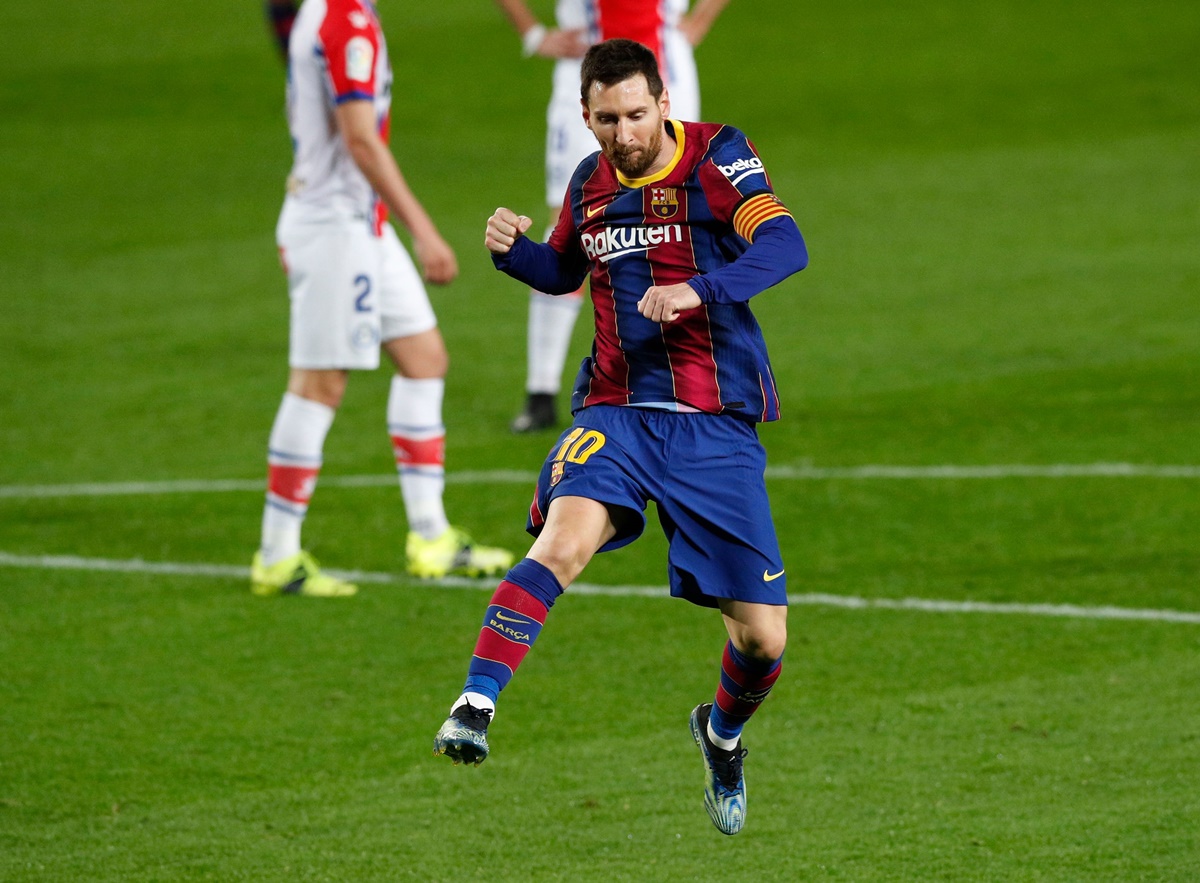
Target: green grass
(1000,202)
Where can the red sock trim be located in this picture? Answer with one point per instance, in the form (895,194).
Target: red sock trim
(295,484)
(419,452)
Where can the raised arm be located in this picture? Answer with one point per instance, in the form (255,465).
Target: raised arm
(537,264)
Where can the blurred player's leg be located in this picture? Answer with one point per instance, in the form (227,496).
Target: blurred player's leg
(293,463)
(294,453)
(330,332)
(551,321)
(414,416)
(434,548)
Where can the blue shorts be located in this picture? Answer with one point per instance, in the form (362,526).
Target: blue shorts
(704,472)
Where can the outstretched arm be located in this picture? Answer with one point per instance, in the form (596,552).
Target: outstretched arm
(357,125)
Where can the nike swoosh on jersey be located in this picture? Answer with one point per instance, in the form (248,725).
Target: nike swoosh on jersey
(767,577)
(500,615)
(591,213)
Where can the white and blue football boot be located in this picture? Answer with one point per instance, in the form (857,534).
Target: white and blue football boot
(724,783)
(463,737)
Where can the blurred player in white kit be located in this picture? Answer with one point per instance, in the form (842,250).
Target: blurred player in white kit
(354,290)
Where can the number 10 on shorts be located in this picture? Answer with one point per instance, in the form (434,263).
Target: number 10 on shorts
(579,445)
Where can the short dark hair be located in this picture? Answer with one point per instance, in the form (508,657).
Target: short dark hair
(615,61)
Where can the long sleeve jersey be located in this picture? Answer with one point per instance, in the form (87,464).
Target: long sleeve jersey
(710,219)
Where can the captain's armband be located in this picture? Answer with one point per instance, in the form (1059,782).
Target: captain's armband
(754,211)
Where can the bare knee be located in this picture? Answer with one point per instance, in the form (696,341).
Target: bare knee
(565,555)
(575,528)
(421,356)
(324,386)
(763,646)
(759,631)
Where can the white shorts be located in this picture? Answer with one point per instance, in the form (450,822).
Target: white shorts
(350,290)
(568,139)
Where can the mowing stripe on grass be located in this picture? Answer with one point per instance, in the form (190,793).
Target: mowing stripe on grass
(923,605)
(516,476)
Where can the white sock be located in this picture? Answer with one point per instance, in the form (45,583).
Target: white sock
(414,416)
(721,741)
(293,461)
(551,320)
(476,700)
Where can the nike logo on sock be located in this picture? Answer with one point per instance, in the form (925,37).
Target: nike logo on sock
(501,616)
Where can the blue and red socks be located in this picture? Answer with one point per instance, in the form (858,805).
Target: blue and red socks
(745,683)
(414,416)
(513,621)
(515,617)
(293,464)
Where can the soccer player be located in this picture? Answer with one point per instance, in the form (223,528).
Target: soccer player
(679,227)
(353,290)
(671,32)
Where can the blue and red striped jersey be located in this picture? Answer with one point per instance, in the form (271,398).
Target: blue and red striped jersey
(687,223)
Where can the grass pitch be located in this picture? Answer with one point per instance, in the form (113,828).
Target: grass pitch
(1000,205)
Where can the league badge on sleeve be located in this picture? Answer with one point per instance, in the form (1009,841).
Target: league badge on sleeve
(360,59)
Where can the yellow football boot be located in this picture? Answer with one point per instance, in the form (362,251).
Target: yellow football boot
(297,575)
(454,552)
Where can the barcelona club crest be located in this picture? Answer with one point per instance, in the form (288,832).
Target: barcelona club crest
(556,472)
(664,202)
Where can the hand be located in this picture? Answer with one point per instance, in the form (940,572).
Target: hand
(563,44)
(664,303)
(437,259)
(504,228)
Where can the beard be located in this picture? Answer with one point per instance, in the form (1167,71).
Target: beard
(633,162)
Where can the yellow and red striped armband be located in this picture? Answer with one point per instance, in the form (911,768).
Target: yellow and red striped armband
(754,211)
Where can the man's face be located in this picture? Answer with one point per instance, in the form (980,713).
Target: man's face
(628,122)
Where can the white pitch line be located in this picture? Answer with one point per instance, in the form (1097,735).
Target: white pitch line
(516,476)
(256,485)
(922,605)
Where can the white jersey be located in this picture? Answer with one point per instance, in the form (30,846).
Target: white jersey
(641,20)
(336,53)
(654,24)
